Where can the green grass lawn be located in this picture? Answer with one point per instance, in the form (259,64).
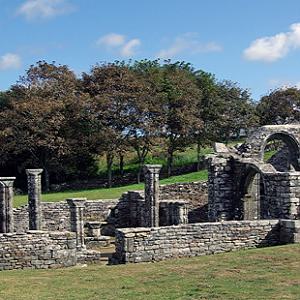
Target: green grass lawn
(112,193)
(265,273)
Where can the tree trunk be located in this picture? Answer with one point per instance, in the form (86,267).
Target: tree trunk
(170,163)
(121,164)
(139,174)
(198,156)
(109,161)
(46,172)
(46,179)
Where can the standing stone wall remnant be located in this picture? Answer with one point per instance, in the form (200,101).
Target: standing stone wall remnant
(34,197)
(6,204)
(77,206)
(151,195)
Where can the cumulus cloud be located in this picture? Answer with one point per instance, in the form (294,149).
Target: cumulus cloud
(10,61)
(119,43)
(112,40)
(188,43)
(34,9)
(270,49)
(130,48)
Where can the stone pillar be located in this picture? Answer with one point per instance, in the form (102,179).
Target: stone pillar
(76,209)
(6,204)
(34,197)
(152,195)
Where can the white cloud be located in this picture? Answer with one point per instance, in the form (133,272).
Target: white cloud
(119,43)
(270,49)
(284,83)
(112,40)
(129,49)
(10,61)
(34,9)
(187,43)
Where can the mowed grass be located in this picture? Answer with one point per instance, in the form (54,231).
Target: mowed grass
(112,193)
(265,273)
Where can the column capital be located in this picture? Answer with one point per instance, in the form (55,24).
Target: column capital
(7,181)
(76,202)
(155,169)
(34,172)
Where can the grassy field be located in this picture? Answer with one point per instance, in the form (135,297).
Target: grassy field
(266,273)
(113,193)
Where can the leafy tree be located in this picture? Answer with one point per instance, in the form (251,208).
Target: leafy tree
(237,111)
(210,110)
(281,106)
(177,99)
(38,127)
(114,91)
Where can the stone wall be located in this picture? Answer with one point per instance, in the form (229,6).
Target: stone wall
(194,192)
(56,215)
(282,195)
(37,250)
(155,244)
(120,213)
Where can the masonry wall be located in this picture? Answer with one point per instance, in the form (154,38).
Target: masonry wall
(135,245)
(282,195)
(37,250)
(194,192)
(56,215)
(221,183)
(121,213)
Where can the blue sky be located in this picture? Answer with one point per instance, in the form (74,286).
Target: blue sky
(255,43)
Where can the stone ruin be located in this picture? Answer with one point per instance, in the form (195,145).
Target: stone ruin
(244,187)
(246,203)
(251,203)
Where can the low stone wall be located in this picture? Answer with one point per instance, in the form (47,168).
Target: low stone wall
(118,213)
(56,215)
(37,250)
(135,245)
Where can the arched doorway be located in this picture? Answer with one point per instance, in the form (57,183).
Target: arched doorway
(252,203)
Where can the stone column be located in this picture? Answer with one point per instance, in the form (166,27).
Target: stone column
(6,204)
(76,209)
(34,197)
(152,195)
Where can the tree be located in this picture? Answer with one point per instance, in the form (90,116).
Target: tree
(114,91)
(237,111)
(46,110)
(177,99)
(281,106)
(209,109)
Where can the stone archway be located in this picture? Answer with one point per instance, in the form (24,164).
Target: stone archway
(251,202)
(289,134)
(287,158)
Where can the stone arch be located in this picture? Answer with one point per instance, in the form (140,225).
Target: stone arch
(289,134)
(292,160)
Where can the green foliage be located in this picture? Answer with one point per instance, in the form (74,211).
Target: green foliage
(265,273)
(281,106)
(268,155)
(52,119)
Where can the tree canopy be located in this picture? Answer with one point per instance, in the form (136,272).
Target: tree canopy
(55,120)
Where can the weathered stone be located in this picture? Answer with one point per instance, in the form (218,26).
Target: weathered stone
(77,224)
(151,195)
(34,197)
(6,204)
